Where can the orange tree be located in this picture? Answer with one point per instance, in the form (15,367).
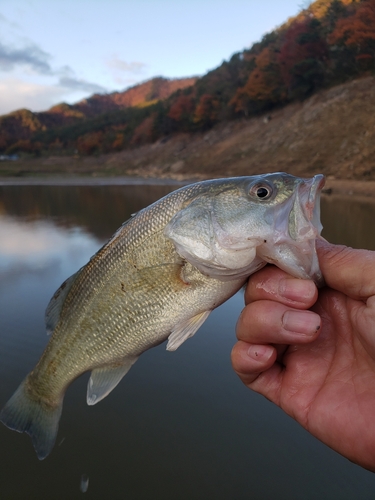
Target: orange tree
(264,87)
(356,34)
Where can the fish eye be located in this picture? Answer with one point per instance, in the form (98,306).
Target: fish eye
(261,191)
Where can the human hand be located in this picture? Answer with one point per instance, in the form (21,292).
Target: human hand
(313,353)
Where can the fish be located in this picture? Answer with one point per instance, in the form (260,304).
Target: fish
(158,278)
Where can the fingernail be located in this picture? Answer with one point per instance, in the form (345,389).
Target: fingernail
(260,352)
(297,290)
(305,322)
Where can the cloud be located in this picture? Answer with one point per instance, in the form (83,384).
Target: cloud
(118,64)
(76,84)
(30,55)
(16,94)
(5,21)
(65,71)
(123,72)
(53,84)
(31,247)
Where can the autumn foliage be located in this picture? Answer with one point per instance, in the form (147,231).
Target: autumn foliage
(144,132)
(357,34)
(325,44)
(207,110)
(264,87)
(180,111)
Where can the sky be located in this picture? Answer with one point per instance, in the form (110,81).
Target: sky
(54,51)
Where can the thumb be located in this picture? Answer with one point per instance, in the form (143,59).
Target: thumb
(347,270)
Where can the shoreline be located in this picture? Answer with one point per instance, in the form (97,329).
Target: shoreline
(332,187)
(90,181)
(365,189)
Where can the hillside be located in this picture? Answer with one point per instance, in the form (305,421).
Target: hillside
(332,132)
(284,75)
(22,124)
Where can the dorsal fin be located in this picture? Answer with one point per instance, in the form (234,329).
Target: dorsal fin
(105,378)
(55,305)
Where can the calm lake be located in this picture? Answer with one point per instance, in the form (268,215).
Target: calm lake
(180,426)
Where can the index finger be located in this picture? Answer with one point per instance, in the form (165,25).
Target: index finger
(271,283)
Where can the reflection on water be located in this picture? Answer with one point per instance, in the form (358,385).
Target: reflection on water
(36,245)
(349,220)
(180,425)
(102,209)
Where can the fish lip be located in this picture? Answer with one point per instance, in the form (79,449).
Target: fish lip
(311,207)
(310,191)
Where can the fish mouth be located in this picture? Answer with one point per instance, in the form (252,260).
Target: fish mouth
(297,227)
(309,229)
(310,190)
(304,216)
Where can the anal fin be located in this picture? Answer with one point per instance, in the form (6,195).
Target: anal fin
(185,330)
(104,379)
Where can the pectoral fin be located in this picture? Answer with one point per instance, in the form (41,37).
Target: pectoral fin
(185,330)
(104,379)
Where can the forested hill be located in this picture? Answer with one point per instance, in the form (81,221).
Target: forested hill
(328,43)
(17,129)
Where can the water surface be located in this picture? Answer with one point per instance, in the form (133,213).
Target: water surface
(180,425)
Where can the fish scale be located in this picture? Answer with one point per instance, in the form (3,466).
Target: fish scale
(158,278)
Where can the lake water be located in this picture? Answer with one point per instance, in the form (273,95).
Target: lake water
(180,425)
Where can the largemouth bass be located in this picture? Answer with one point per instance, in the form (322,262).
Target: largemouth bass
(158,278)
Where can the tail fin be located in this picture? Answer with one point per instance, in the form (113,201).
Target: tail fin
(23,414)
